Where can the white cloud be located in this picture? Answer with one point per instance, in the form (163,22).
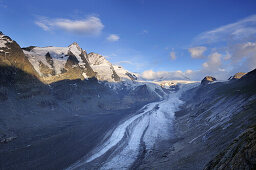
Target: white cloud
(88,26)
(42,25)
(188,71)
(227,56)
(124,62)
(163,75)
(243,56)
(205,65)
(197,52)
(212,67)
(144,31)
(173,55)
(233,46)
(214,61)
(244,28)
(113,38)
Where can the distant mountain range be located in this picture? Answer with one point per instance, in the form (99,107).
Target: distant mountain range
(51,64)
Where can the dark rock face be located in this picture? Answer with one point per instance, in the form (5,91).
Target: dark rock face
(207,80)
(28,48)
(250,75)
(237,76)
(132,76)
(241,154)
(114,75)
(89,71)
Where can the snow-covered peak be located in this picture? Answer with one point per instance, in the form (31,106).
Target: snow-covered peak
(78,52)
(4,40)
(97,59)
(69,62)
(124,74)
(106,71)
(59,56)
(75,47)
(103,68)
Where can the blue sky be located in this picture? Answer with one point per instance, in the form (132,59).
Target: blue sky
(160,37)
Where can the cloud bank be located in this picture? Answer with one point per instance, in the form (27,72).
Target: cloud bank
(89,26)
(197,52)
(243,29)
(163,75)
(232,49)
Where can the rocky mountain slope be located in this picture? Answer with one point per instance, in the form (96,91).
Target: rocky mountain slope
(215,117)
(12,55)
(241,154)
(237,76)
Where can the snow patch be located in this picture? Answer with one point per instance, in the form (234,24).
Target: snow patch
(4,40)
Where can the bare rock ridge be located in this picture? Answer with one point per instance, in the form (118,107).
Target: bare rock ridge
(207,80)
(12,55)
(237,76)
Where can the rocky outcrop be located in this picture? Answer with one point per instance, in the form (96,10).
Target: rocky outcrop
(241,154)
(250,75)
(12,55)
(237,76)
(131,76)
(207,80)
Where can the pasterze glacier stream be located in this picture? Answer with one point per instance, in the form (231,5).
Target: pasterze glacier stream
(124,144)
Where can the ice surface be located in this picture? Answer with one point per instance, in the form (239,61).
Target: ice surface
(153,123)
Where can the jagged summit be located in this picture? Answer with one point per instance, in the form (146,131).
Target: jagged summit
(207,80)
(237,76)
(75,45)
(58,63)
(103,68)
(11,55)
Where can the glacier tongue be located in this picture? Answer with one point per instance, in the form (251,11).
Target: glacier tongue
(152,124)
